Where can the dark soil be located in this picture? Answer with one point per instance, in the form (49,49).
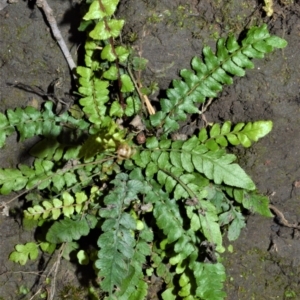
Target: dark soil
(265,263)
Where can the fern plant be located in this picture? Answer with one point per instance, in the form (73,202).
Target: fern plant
(159,206)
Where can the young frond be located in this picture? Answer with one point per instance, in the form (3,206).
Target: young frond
(107,139)
(243,134)
(55,208)
(24,252)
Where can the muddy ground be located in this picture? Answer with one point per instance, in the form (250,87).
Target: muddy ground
(265,263)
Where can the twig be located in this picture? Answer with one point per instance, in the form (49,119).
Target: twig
(53,271)
(38,291)
(142,97)
(55,268)
(204,107)
(281,219)
(56,32)
(203,110)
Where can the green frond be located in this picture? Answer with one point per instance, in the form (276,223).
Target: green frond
(12,180)
(134,287)
(55,208)
(95,95)
(29,122)
(168,219)
(185,244)
(67,230)
(51,148)
(17,179)
(243,134)
(251,200)
(117,244)
(24,252)
(209,289)
(42,176)
(162,269)
(95,100)
(95,78)
(5,129)
(106,139)
(189,157)
(257,203)
(204,217)
(205,289)
(207,78)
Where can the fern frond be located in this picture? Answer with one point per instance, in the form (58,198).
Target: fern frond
(43,175)
(257,203)
(251,200)
(23,252)
(209,289)
(184,243)
(55,208)
(204,217)
(95,79)
(168,219)
(117,243)
(106,139)
(15,180)
(220,136)
(189,157)
(95,100)
(207,78)
(51,149)
(29,122)
(5,129)
(208,279)
(67,230)
(95,94)
(134,286)
(162,269)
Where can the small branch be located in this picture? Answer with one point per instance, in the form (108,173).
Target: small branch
(204,107)
(203,110)
(56,32)
(55,268)
(144,99)
(38,291)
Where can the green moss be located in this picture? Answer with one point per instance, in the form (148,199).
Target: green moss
(72,292)
(154,19)
(289,294)
(182,17)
